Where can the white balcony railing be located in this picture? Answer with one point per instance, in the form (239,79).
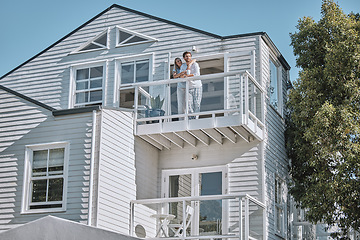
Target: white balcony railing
(239,217)
(231,98)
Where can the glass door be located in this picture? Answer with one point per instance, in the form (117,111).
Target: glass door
(207,218)
(210,215)
(179,186)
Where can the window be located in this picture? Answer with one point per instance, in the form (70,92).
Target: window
(135,71)
(97,43)
(274,87)
(125,37)
(129,71)
(279,206)
(88,85)
(45,178)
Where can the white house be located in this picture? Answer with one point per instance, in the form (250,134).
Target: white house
(78,141)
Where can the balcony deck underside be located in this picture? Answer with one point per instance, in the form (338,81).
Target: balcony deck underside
(166,134)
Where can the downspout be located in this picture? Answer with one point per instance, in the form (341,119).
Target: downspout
(92,164)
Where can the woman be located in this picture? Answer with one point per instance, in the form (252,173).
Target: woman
(177,65)
(176,71)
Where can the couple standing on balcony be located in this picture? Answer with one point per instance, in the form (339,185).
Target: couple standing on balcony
(188,69)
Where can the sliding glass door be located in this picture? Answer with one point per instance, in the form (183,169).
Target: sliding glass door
(210,215)
(207,218)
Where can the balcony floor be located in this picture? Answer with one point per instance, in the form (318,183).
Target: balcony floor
(165,134)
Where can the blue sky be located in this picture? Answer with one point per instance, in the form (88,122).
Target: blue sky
(28,27)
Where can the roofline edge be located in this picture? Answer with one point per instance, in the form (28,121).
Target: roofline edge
(58,41)
(61,112)
(43,105)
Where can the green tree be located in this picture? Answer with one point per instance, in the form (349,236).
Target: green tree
(323,129)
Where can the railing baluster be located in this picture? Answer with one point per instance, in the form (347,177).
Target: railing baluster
(168,101)
(241,97)
(253,62)
(240,219)
(247,223)
(226,93)
(136,108)
(184,220)
(246,99)
(131,227)
(187,100)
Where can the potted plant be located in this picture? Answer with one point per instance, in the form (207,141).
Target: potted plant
(155,107)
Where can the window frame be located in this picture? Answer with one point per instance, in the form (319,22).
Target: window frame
(119,61)
(282,206)
(79,49)
(196,187)
(27,190)
(118,29)
(73,91)
(279,108)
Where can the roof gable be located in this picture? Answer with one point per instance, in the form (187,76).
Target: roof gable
(142,14)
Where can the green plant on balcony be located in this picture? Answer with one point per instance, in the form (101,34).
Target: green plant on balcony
(156,103)
(154,110)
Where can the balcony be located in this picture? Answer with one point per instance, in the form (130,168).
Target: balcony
(212,217)
(232,107)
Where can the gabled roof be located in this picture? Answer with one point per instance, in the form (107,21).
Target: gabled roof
(55,112)
(263,34)
(61,112)
(61,229)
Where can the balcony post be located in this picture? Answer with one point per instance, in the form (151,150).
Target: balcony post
(253,63)
(241,97)
(247,220)
(186,101)
(168,101)
(246,100)
(226,82)
(240,219)
(253,99)
(184,220)
(131,224)
(136,97)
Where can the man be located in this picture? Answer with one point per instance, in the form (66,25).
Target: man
(191,69)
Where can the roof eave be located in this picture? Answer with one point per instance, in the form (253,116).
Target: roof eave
(280,57)
(27,98)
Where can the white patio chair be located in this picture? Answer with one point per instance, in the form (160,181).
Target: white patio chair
(177,228)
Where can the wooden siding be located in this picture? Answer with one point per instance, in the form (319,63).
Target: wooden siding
(146,170)
(276,161)
(116,183)
(23,123)
(147,173)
